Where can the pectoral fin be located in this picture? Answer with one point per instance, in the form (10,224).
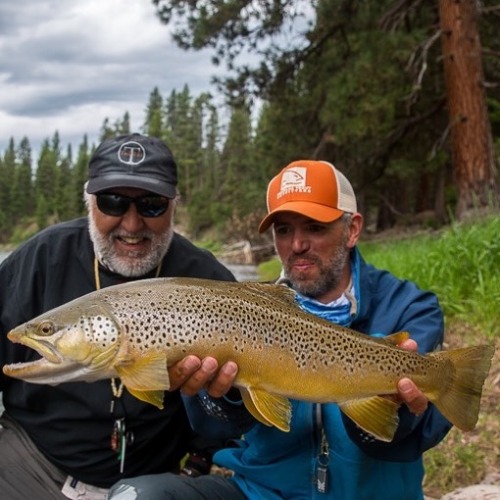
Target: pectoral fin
(146,377)
(376,415)
(267,408)
(152,397)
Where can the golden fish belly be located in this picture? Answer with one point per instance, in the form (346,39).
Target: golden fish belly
(327,376)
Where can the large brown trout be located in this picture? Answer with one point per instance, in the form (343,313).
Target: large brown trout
(135,330)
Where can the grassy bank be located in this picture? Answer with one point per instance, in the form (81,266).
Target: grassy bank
(462,266)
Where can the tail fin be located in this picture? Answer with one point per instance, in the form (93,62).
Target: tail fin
(460,399)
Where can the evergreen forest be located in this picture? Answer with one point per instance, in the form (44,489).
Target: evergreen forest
(368,86)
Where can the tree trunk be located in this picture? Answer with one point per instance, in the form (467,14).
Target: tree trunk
(471,139)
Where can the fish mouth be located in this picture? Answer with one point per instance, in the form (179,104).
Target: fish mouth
(41,371)
(44,370)
(42,347)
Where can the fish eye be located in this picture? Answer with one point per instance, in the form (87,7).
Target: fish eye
(46,328)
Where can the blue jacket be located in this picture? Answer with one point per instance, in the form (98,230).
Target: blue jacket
(270,464)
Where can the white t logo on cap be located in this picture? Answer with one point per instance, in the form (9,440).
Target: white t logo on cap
(131,153)
(294,181)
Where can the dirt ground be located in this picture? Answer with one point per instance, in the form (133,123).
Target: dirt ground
(468,458)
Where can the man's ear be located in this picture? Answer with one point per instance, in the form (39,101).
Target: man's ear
(355,229)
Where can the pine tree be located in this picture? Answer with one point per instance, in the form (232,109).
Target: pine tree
(80,176)
(23,202)
(471,137)
(153,125)
(7,175)
(46,173)
(64,193)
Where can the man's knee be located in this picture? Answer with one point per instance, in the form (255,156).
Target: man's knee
(172,486)
(123,491)
(151,487)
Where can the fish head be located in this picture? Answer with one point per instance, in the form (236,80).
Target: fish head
(76,341)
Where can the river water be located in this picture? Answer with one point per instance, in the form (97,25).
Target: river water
(242,272)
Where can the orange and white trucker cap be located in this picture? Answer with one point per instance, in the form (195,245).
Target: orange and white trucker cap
(312,188)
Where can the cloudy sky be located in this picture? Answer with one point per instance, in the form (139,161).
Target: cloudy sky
(66,65)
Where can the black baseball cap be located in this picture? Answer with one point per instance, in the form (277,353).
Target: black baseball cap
(136,161)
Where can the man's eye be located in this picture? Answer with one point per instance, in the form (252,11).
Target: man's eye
(281,229)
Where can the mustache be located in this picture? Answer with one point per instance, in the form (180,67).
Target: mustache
(119,233)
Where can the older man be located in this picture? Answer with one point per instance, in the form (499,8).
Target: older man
(59,442)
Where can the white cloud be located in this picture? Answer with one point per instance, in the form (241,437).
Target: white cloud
(68,65)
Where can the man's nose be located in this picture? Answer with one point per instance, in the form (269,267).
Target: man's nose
(131,220)
(300,243)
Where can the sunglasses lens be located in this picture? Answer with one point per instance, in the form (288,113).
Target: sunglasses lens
(112,204)
(151,206)
(117,205)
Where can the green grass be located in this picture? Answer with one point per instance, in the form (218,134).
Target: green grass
(458,458)
(461,265)
(269,270)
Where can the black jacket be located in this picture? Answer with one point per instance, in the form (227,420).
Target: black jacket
(71,424)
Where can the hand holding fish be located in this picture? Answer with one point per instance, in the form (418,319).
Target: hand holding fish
(412,396)
(191,374)
(408,392)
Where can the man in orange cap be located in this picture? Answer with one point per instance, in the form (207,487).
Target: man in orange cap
(316,226)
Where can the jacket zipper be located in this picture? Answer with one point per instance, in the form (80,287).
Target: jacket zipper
(323,457)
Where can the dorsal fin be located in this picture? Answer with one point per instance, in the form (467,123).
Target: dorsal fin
(273,292)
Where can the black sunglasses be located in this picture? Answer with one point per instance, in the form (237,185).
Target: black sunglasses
(116,205)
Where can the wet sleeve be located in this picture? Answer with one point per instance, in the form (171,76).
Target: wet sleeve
(217,417)
(414,436)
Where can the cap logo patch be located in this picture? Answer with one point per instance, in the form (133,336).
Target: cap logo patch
(293,181)
(131,153)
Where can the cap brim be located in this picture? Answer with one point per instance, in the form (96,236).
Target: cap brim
(131,181)
(315,211)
